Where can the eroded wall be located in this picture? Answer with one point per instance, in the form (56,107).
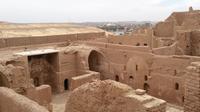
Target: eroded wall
(195,46)
(164,29)
(43,68)
(161,76)
(136,40)
(38,40)
(13,102)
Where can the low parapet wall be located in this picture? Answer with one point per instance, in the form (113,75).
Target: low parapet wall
(82,79)
(119,47)
(37,40)
(13,102)
(136,40)
(42,95)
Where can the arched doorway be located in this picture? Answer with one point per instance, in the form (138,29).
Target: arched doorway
(66,84)
(3,81)
(94,61)
(97,62)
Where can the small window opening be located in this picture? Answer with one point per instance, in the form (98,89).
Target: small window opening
(131,77)
(136,67)
(66,84)
(117,78)
(175,72)
(146,87)
(176,86)
(145,78)
(138,44)
(183,99)
(145,44)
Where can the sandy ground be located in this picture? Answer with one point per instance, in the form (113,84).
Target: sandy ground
(174,108)
(59,101)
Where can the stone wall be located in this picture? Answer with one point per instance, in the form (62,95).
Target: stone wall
(192,89)
(13,102)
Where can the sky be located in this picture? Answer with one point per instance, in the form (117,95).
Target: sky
(29,11)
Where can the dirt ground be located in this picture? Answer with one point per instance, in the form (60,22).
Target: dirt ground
(59,101)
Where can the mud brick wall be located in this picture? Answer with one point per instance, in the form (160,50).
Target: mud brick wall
(195,46)
(192,88)
(26,41)
(13,102)
(164,29)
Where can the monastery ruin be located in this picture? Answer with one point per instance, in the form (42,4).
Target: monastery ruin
(151,70)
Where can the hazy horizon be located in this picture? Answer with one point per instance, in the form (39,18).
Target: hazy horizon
(57,11)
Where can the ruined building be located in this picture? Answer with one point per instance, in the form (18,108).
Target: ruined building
(38,60)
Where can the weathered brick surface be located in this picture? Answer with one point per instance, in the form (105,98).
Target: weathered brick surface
(192,88)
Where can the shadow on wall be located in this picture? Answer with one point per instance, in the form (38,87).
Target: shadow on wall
(43,69)
(3,81)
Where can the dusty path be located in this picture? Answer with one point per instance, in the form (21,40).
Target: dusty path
(59,101)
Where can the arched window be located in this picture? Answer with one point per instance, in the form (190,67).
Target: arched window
(131,77)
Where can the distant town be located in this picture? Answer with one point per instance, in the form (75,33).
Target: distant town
(121,28)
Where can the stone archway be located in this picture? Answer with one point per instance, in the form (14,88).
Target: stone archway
(95,59)
(4,81)
(96,62)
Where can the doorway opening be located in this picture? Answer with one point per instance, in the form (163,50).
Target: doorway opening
(96,62)
(146,87)
(117,78)
(36,81)
(176,86)
(66,84)
(145,78)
